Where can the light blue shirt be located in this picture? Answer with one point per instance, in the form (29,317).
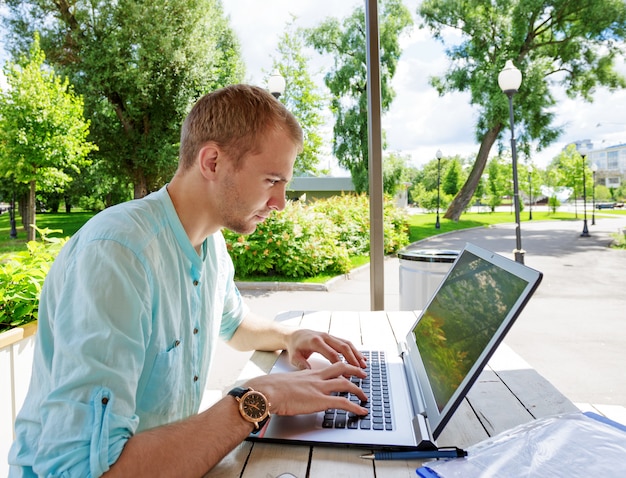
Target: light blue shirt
(129,316)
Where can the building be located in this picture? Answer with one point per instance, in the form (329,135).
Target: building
(309,189)
(611,164)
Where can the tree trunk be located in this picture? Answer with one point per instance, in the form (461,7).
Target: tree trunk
(30,212)
(464,196)
(140,185)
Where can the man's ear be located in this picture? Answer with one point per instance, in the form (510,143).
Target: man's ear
(208,158)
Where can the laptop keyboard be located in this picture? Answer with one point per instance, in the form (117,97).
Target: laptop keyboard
(376,387)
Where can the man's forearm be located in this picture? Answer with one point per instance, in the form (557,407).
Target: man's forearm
(257,333)
(187,448)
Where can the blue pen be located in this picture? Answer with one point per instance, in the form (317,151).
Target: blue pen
(416,455)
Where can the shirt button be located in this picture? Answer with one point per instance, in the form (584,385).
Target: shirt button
(195,378)
(195,331)
(177,343)
(195,282)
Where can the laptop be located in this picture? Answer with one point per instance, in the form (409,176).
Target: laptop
(432,370)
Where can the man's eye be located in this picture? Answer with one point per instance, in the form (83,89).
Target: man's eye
(273,181)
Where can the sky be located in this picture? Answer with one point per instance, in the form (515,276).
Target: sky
(420,122)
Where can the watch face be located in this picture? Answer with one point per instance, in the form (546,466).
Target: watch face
(254,406)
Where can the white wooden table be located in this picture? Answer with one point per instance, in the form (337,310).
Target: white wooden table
(508,393)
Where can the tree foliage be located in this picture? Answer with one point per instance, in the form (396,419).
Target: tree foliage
(140,66)
(568,44)
(345,42)
(42,128)
(301,97)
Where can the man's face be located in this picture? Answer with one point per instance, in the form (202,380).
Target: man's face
(250,193)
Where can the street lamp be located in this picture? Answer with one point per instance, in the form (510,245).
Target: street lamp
(530,195)
(438,155)
(276,84)
(594,169)
(582,150)
(13,233)
(509,80)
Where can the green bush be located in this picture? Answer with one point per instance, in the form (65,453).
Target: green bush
(21,277)
(296,242)
(307,240)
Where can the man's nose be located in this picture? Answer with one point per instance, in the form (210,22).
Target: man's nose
(277,201)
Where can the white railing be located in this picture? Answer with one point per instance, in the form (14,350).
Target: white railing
(16,360)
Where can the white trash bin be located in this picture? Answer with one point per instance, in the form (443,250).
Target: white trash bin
(421,272)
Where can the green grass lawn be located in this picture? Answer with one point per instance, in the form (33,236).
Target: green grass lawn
(65,225)
(422,226)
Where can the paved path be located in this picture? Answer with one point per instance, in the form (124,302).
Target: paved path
(573,331)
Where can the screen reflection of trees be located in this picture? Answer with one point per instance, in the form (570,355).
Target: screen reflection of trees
(462,319)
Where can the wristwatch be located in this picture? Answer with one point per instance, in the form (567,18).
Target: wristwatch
(253,406)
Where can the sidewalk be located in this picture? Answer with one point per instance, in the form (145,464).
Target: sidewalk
(573,331)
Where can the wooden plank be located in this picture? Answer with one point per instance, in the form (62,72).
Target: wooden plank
(346,325)
(464,428)
(232,464)
(292,317)
(398,468)
(536,394)
(319,320)
(339,463)
(612,412)
(273,460)
(376,330)
(494,404)
(401,322)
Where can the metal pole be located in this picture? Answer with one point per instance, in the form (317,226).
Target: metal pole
(585,232)
(12,218)
(438,224)
(518,252)
(593,198)
(377,235)
(530,196)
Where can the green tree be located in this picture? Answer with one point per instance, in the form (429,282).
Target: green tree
(301,97)
(140,65)
(497,182)
(396,172)
(451,179)
(42,129)
(347,79)
(573,42)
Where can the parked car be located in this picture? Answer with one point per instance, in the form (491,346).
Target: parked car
(605,205)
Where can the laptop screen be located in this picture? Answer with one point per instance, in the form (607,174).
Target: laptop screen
(464,322)
(461,320)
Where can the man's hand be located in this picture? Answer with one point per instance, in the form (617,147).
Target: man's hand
(309,391)
(303,342)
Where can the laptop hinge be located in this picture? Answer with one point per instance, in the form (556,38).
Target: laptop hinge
(415,390)
(422,433)
(402,348)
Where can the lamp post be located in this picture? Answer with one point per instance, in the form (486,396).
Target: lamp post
(438,155)
(276,84)
(509,80)
(583,153)
(13,233)
(530,196)
(594,169)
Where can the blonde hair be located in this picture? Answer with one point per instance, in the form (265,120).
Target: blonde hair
(236,118)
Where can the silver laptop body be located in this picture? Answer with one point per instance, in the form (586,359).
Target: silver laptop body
(441,357)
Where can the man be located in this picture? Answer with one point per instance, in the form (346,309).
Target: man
(134,303)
